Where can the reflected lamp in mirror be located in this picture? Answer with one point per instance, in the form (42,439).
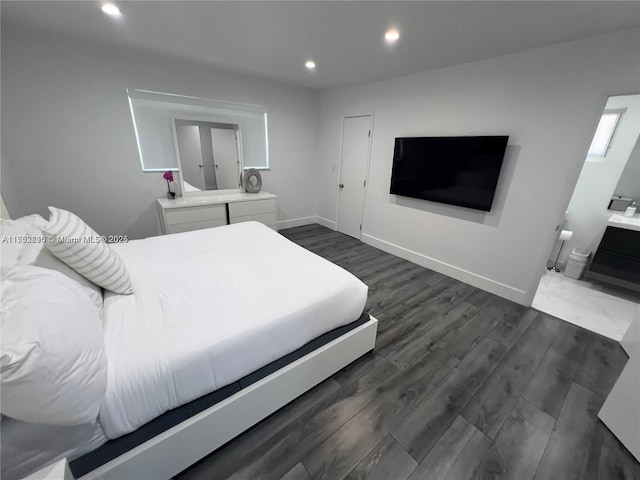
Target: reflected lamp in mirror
(209,156)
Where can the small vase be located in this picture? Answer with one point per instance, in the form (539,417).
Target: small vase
(170,194)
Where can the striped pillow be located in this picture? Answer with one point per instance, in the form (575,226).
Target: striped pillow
(79,246)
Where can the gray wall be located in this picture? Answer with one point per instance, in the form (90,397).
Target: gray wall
(548,100)
(68,140)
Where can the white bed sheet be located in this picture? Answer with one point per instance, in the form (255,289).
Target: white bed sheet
(27,447)
(209,307)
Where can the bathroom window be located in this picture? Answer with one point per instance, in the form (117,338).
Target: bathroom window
(604,133)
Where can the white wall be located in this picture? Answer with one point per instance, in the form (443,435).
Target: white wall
(68,140)
(587,212)
(548,100)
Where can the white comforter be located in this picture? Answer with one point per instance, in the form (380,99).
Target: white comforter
(209,307)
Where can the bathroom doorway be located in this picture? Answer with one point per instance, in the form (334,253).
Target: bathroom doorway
(608,188)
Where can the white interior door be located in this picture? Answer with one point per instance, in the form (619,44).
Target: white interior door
(356,136)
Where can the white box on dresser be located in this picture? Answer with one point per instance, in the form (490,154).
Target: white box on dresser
(193,213)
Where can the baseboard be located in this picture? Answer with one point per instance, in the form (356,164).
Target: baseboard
(297,222)
(326,222)
(497,288)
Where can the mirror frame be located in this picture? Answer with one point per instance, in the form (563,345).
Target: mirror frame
(149,136)
(183,192)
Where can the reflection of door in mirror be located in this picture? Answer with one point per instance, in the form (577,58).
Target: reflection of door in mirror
(225,157)
(188,137)
(209,155)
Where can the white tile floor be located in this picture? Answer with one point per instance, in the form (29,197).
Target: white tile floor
(594,306)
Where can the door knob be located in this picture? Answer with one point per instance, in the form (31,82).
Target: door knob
(341,185)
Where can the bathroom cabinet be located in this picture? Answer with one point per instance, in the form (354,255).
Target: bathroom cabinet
(618,254)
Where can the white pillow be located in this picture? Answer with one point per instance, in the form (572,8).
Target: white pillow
(53,365)
(80,247)
(14,238)
(32,250)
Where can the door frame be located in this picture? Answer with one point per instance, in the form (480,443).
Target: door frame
(367,168)
(570,184)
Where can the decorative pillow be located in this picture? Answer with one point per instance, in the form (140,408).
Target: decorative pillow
(32,250)
(79,246)
(53,365)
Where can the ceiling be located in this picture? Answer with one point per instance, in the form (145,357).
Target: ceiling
(274,39)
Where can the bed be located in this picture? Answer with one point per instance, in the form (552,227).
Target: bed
(224,327)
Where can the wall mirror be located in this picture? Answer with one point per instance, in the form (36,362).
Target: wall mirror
(154,115)
(209,156)
(627,190)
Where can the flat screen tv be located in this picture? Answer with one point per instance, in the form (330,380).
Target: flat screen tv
(459,171)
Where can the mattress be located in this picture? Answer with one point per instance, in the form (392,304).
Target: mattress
(209,307)
(118,446)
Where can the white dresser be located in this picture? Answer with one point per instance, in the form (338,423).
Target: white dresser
(193,213)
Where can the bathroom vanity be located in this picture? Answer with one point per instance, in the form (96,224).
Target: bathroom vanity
(618,255)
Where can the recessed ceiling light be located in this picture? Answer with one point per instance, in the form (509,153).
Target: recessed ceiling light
(111,9)
(311,65)
(392,35)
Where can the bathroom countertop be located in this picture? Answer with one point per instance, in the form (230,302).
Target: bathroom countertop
(629,223)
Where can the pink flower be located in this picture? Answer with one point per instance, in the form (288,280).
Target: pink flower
(168,176)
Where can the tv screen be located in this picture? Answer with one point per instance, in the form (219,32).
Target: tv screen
(459,171)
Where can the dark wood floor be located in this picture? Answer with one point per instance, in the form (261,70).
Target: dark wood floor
(461,385)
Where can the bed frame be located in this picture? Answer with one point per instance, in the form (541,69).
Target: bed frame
(183,445)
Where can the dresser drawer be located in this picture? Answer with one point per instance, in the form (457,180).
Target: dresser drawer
(187,227)
(268,219)
(176,216)
(254,207)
